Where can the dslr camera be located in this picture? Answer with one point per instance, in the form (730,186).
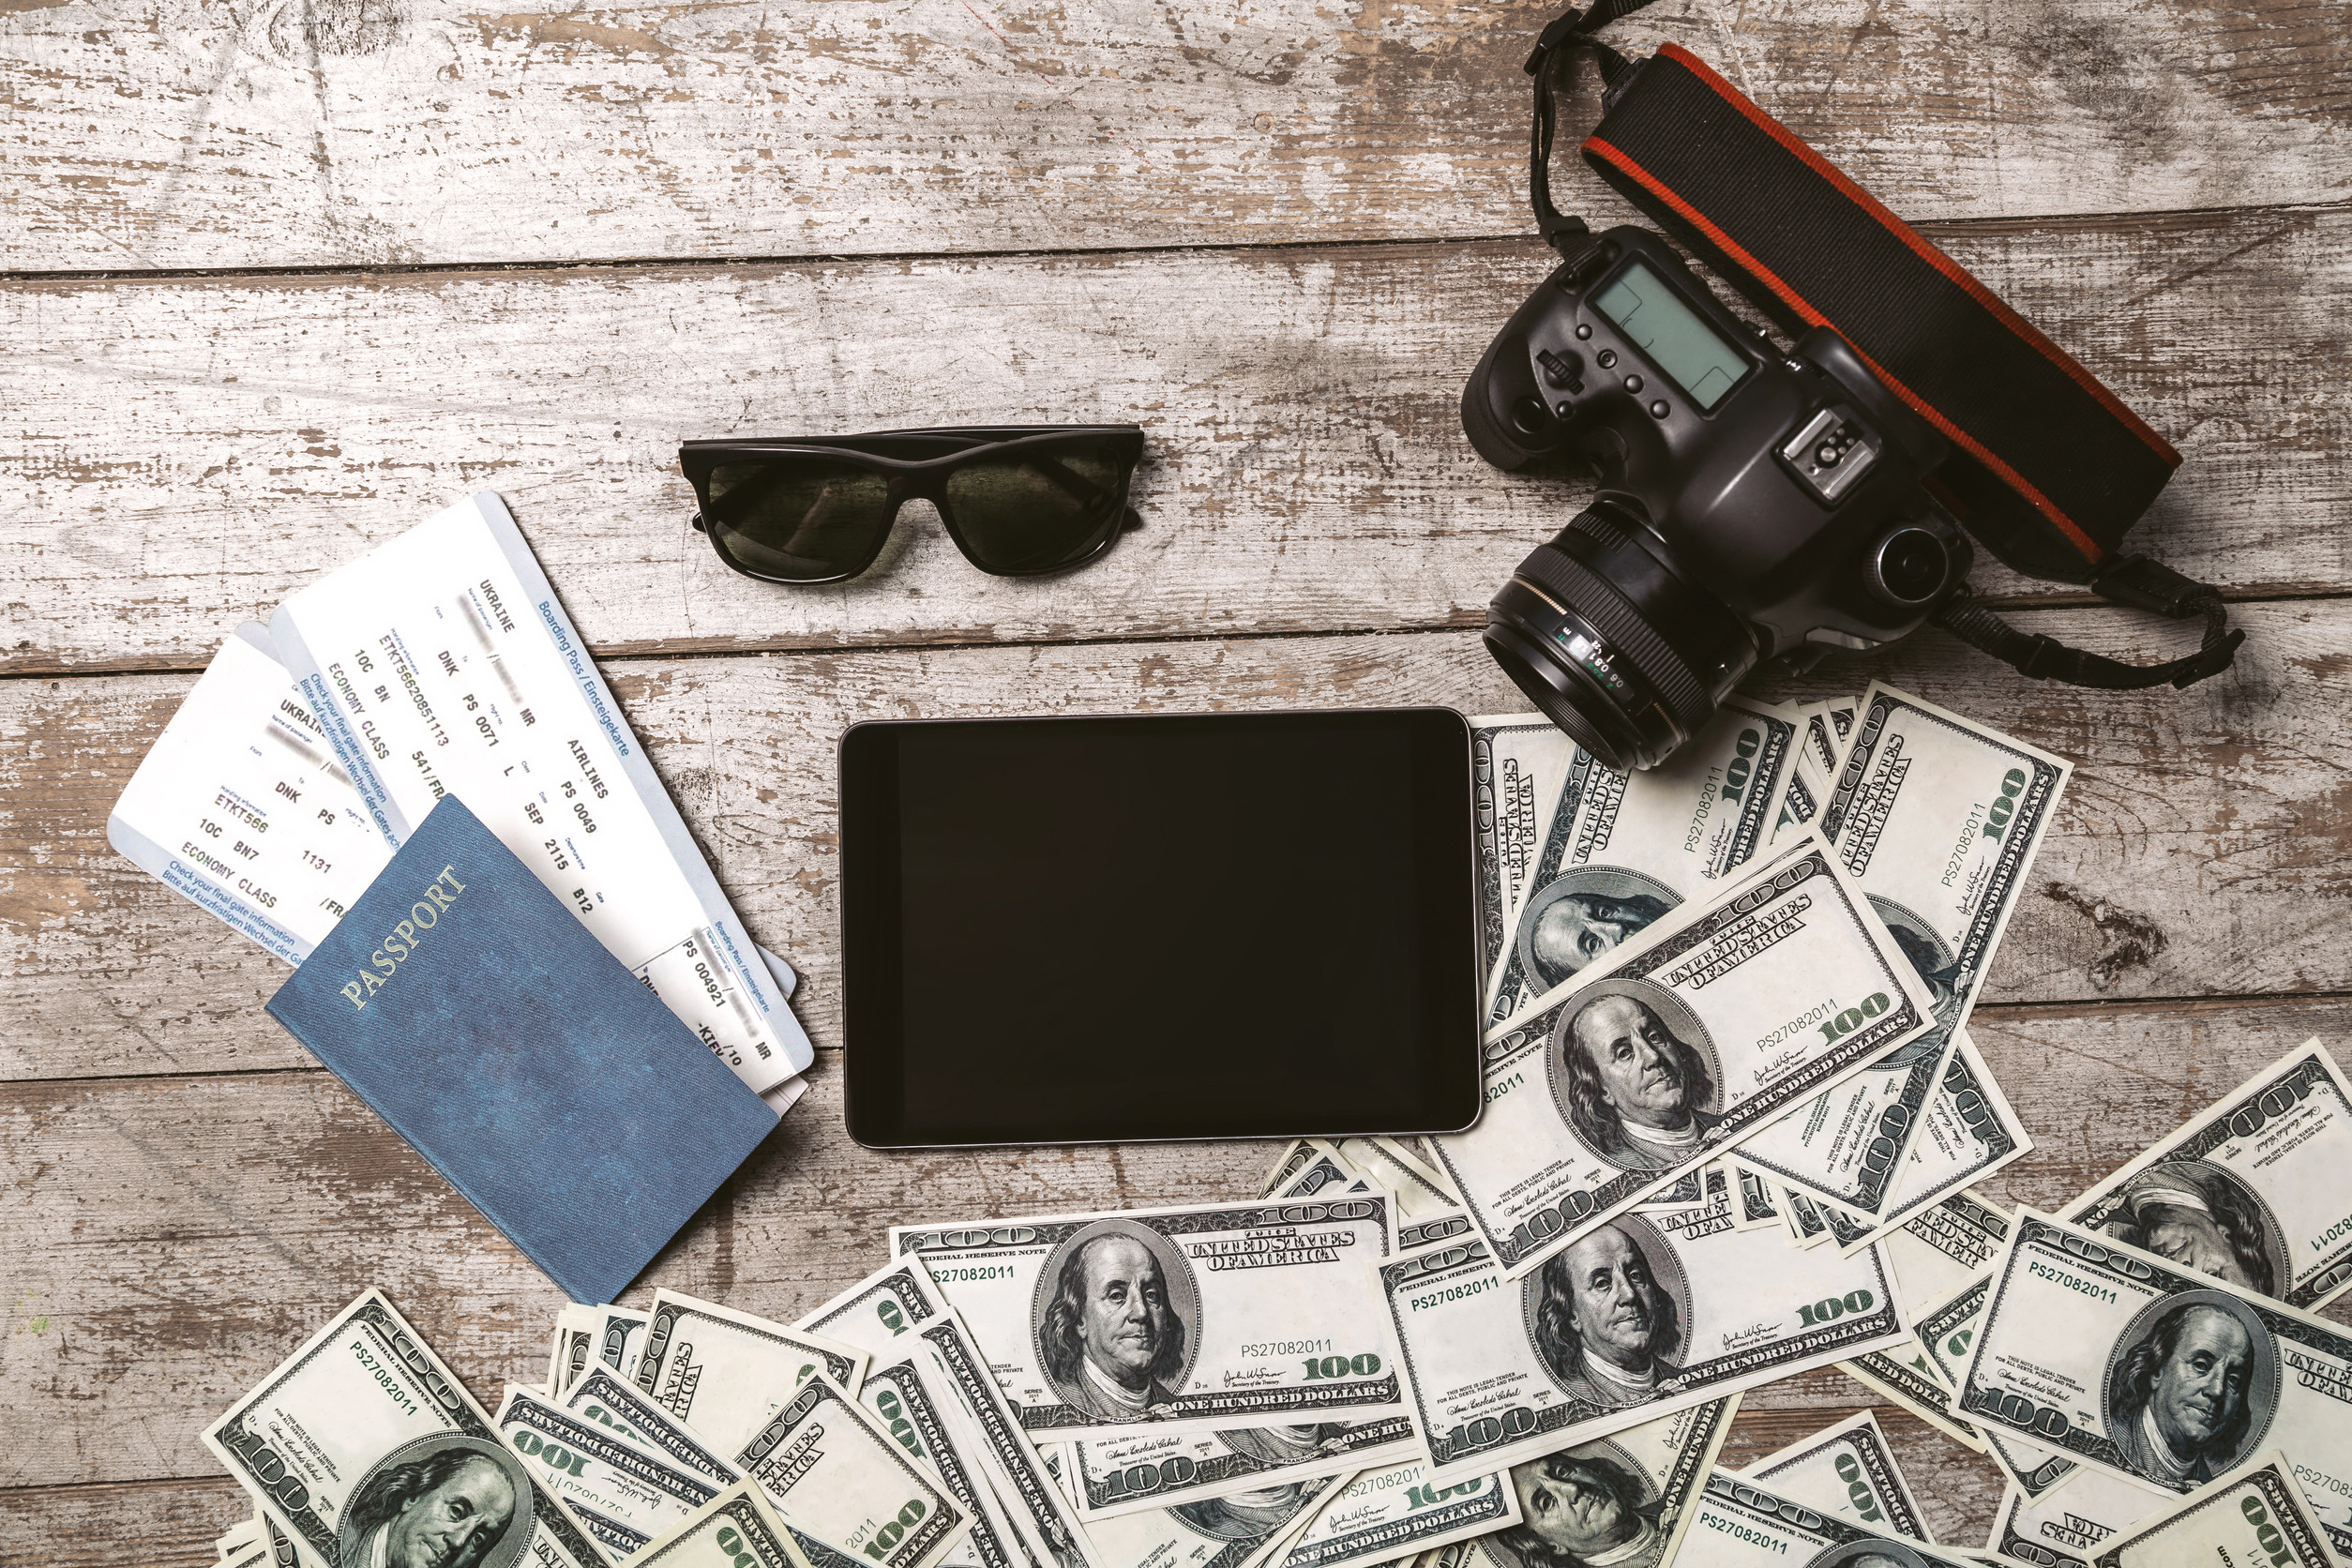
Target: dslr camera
(1756,503)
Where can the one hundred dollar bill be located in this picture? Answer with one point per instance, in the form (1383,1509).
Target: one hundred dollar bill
(1943,1248)
(1848,1144)
(1241,1530)
(1939,818)
(602,1397)
(346,1432)
(1220,1316)
(1742,1522)
(1803,1217)
(1752,1207)
(1624,1500)
(897,1313)
(2256,1515)
(1969,1132)
(1850,1471)
(725,1373)
(1648,1314)
(572,1350)
(1946,1330)
(1518,763)
(1130,1473)
(2067,1527)
(1310,1166)
(735,1530)
(1656,1059)
(831,1469)
(624,1495)
(1421,1191)
(2120,1359)
(2252,1190)
(1619,851)
(586,1335)
(1385,1514)
(1905,1374)
(908,1398)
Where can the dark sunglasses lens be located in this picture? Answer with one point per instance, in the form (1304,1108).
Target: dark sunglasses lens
(1037,509)
(799,518)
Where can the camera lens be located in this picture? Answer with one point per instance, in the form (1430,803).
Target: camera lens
(1909,567)
(1613,643)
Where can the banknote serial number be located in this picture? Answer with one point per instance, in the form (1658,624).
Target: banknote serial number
(966,1275)
(1738,1531)
(1288,1347)
(1456,1292)
(1797,1025)
(2072,1282)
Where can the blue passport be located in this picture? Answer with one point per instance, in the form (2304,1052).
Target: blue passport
(474,1013)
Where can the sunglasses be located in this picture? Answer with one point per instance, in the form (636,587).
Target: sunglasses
(1019,501)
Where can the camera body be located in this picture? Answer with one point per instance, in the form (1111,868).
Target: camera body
(1754,503)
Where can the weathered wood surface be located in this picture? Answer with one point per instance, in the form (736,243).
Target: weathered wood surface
(189,452)
(177,1236)
(2165,188)
(259,133)
(2200,851)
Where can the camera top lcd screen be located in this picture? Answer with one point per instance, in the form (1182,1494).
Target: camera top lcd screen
(1675,337)
(1069,930)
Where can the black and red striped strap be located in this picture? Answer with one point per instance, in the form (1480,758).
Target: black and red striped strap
(2049,469)
(2050,464)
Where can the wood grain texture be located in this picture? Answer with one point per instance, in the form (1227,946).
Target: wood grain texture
(186,453)
(2200,850)
(256,133)
(176,1237)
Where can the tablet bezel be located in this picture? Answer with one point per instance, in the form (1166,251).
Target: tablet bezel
(872,964)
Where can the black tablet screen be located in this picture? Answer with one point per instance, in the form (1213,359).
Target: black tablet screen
(1210,925)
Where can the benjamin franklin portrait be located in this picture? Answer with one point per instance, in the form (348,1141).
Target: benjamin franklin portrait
(448,1501)
(2203,1218)
(2190,1389)
(1590,1507)
(1583,914)
(1112,1326)
(1606,1326)
(1633,1089)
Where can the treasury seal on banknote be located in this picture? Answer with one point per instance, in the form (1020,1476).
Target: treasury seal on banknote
(1606,1315)
(1116,1314)
(450,1500)
(1584,913)
(1634,1074)
(2190,1387)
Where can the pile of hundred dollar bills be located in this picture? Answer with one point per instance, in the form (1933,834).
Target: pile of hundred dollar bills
(1733,1118)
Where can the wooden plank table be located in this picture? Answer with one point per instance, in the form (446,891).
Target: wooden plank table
(282,276)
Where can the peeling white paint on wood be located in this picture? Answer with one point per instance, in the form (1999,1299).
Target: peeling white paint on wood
(253,133)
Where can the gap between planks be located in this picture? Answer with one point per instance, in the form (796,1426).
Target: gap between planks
(1949,228)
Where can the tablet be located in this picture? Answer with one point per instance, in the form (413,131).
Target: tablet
(1080,931)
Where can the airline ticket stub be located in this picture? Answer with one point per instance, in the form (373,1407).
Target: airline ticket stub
(241,807)
(442,662)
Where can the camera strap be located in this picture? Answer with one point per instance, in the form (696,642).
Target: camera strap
(2049,469)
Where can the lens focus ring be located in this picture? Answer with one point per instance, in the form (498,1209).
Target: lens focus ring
(1596,599)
